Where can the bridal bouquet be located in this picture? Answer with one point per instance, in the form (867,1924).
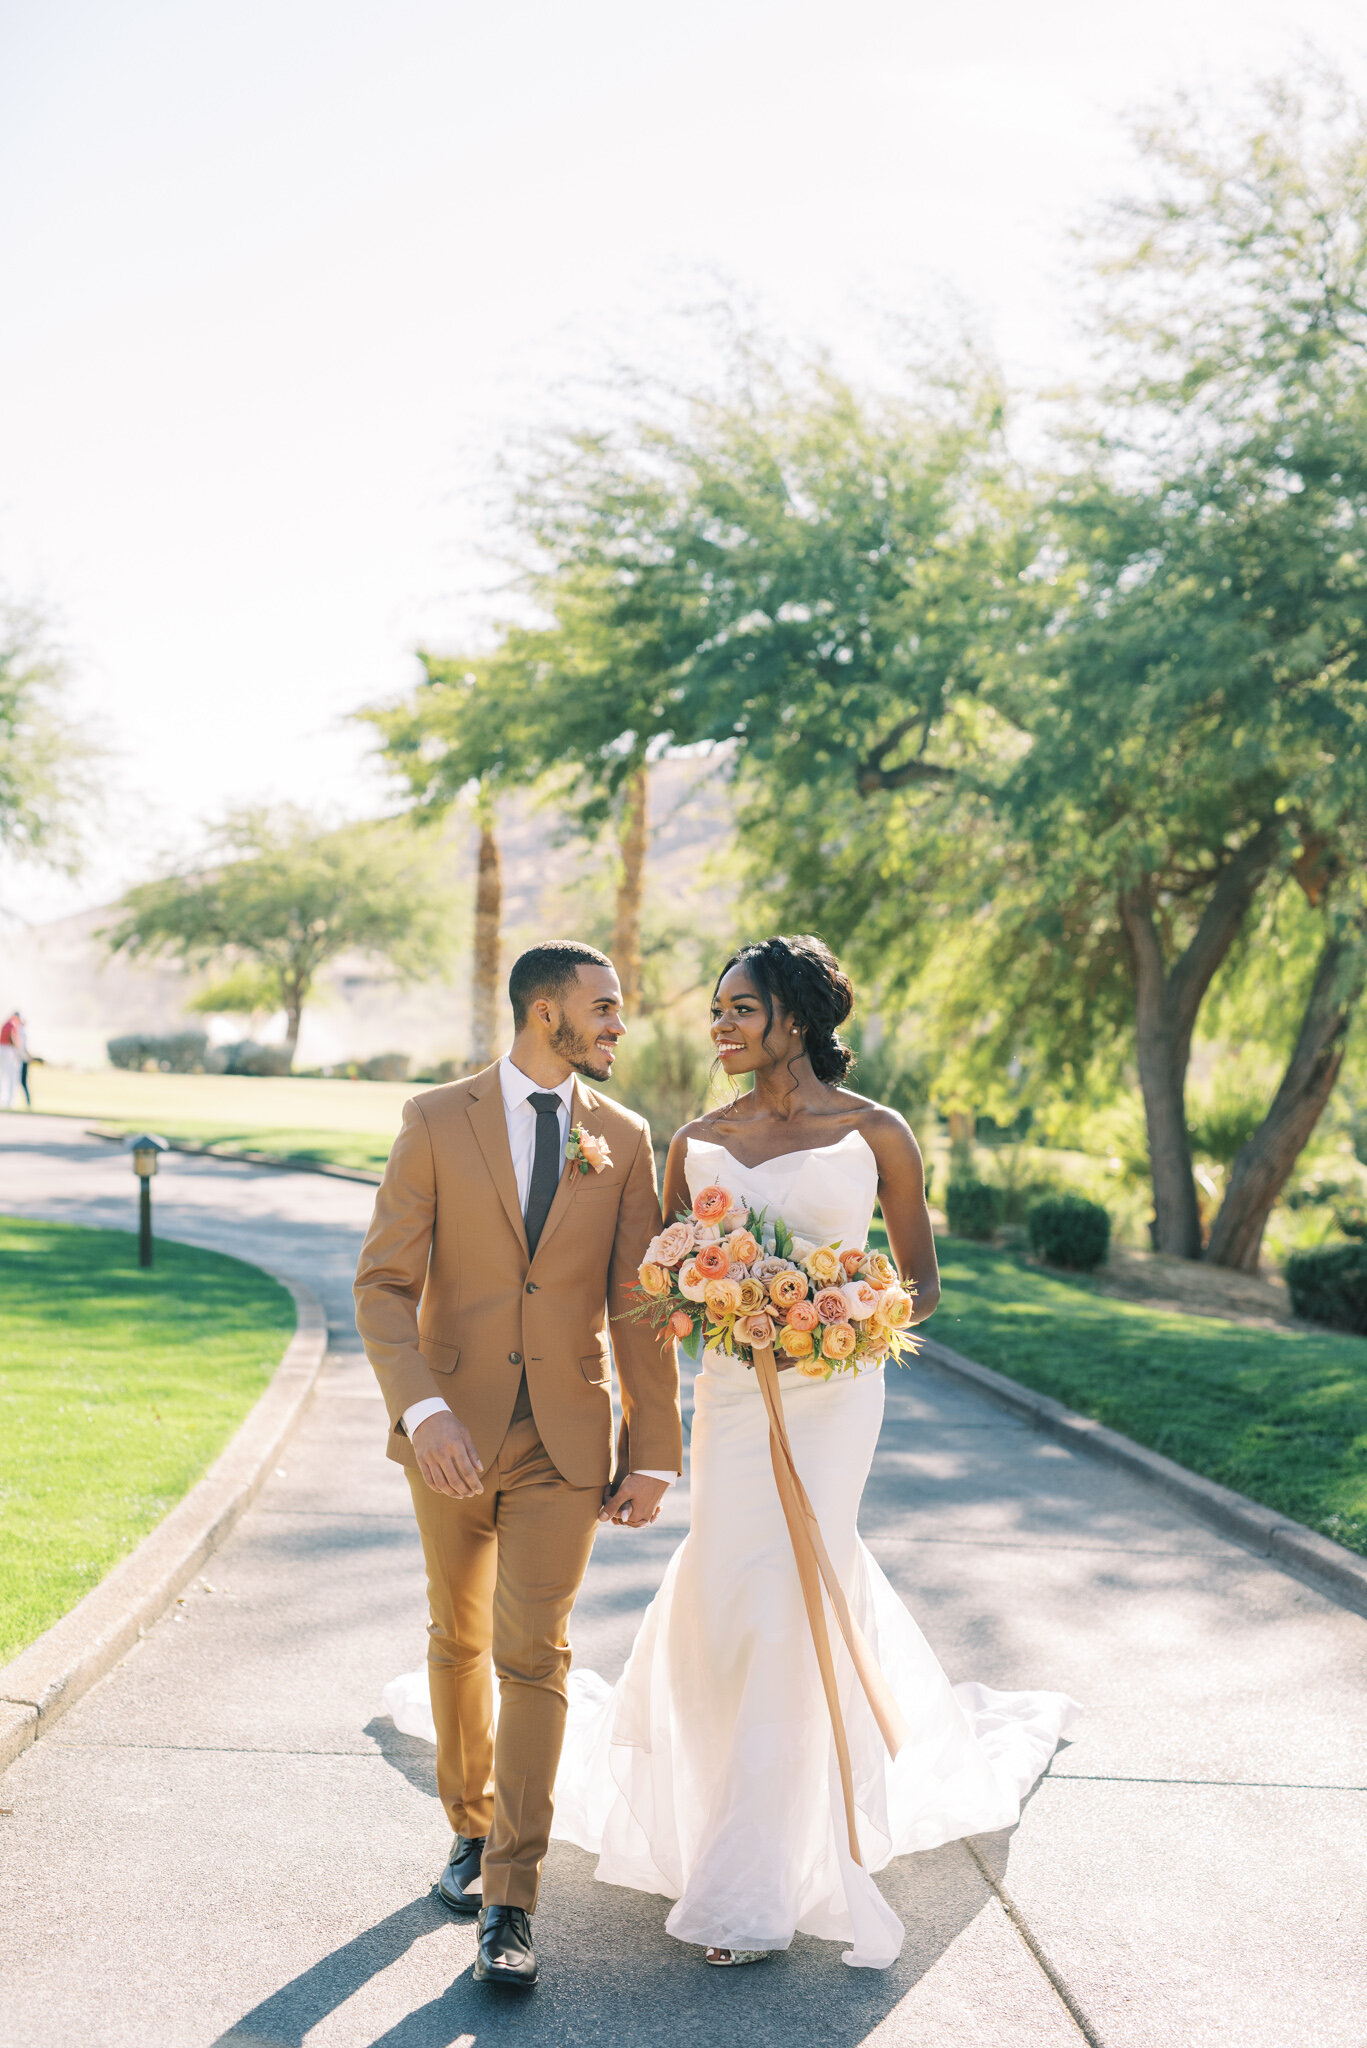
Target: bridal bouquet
(747,1282)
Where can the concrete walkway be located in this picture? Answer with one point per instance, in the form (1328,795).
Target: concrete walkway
(226,1842)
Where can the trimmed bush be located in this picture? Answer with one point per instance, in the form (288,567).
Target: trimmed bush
(247,1057)
(973,1208)
(1068,1230)
(385,1066)
(1330,1286)
(177,1052)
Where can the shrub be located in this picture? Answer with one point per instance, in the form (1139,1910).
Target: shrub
(385,1066)
(1330,1286)
(176,1052)
(1068,1230)
(247,1057)
(973,1208)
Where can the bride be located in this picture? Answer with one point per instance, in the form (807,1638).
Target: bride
(707,1773)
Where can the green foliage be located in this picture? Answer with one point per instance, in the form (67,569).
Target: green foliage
(1067,1230)
(47,760)
(973,1208)
(1330,1286)
(249,991)
(177,1052)
(118,1387)
(662,1072)
(285,897)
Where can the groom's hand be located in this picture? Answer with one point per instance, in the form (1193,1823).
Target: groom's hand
(635,1503)
(446,1455)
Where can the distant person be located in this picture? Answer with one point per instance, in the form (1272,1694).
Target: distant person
(25,1058)
(12,1059)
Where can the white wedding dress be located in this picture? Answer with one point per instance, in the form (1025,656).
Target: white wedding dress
(708,1773)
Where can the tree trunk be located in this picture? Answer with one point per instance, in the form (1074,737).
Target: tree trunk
(632,838)
(485,978)
(1166,1004)
(1265,1163)
(295,989)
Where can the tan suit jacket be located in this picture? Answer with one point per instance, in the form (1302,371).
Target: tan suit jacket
(447,1301)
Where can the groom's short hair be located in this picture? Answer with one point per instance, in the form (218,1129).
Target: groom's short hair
(548,970)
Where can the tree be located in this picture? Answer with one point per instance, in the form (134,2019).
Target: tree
(46,759)
(286,896)
(485,967)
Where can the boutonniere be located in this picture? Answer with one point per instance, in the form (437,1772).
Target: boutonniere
(584,1150)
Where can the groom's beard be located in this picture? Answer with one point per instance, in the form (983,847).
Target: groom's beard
(583,1054)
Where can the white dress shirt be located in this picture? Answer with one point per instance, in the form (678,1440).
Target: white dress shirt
(521,1120)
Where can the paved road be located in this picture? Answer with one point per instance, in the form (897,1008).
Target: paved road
(226,1842)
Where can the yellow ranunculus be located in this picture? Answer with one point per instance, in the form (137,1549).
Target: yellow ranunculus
(838,1340)
(722,1298)
(654,1279)
(824,1266)
(882,1273)
(796,1343)
(895,1310)
(752,1297)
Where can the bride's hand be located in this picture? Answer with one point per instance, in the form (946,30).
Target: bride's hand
(635,1503)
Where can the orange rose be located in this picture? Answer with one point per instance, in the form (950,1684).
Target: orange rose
(681,1323)
(752,1297)
(711,1262)
(854,1263)
(740,1248)
(894,1312)
(787,1288)
(723,1299)
(801,1316)
(711,1204)
(831,1306)
(838,1340)
(654,1279)
(753,1330)
(796,1343)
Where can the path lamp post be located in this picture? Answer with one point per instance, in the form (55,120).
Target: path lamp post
(145,1152)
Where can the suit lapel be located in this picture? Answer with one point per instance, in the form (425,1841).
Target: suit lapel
(489,1122)
(584,1113)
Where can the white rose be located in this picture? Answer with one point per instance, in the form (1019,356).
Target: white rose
(862,1298)
(692,1285)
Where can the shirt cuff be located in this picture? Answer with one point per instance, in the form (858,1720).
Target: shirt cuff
(668,1477)
(420,1411)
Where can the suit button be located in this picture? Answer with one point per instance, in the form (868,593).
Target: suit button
(531,1287)
(514,1358)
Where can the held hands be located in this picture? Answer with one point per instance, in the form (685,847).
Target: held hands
(636,1502)
(447,1457)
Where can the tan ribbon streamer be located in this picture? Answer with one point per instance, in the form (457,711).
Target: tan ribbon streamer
(814,1566)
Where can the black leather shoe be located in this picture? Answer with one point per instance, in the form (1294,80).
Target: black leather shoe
(460,1885)
(506,1955)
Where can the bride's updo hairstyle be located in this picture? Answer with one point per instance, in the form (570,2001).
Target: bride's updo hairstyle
(803,977)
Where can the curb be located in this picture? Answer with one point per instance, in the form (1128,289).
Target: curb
(1333,1570)
(67,1659)
(283,1159)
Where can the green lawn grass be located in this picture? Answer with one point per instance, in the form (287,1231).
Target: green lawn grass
(118,1387)
(1280,1415)
(342,1123)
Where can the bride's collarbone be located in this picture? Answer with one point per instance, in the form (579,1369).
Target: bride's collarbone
(808,1134)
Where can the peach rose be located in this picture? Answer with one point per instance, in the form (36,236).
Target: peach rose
(787,1288)
(711,1204)
(692,1283)
(855,1263)
(723,1299)
(862,1299)
(752,1297)
(706,1233)
(824,1267)
(740,1248)
(838,1340)
(881,1271)
(797,1343)
(595,1150)
(654,1279)
(756,1331)
(895,1310)
(831,1306)
(672,1245)
(681,1324)
(813,1368)
(711,1261)
(876,1346)
(801,1316)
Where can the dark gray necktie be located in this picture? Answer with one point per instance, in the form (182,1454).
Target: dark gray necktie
(545,1166)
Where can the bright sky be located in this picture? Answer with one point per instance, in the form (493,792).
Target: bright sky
(281,276)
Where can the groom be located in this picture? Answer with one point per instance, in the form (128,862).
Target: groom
(514,1212)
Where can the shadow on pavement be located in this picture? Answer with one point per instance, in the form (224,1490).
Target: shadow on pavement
(413,1758)
(610,1972)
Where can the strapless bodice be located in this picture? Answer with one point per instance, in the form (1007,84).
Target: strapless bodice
(825,1194)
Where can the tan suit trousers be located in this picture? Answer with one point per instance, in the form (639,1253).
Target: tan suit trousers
(503,1569)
